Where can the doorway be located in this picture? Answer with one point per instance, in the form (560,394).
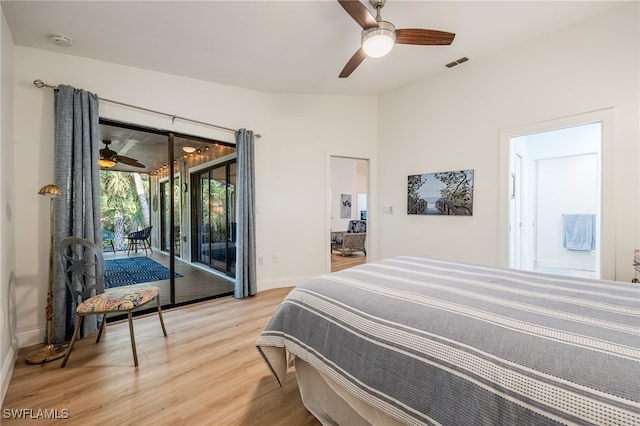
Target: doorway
(214,217)
(555,199)
(165,161)
(166,226)
(349,186)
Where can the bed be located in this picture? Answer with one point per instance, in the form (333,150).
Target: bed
(430,341)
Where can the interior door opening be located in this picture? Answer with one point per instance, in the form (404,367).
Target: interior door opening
(555,210)
(349,234)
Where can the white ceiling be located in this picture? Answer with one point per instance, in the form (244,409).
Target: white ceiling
(283,46)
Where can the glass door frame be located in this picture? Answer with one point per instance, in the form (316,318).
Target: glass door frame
(172,169)
(165,239)
(229,210)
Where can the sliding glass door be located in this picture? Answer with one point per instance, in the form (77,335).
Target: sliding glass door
(214,217)
(166,201)
(165,222)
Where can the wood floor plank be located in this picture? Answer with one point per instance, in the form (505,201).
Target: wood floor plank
(206,372)
(339,262)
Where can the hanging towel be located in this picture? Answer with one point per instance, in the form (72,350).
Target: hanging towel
(579,232)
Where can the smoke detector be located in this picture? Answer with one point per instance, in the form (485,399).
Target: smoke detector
(60,40)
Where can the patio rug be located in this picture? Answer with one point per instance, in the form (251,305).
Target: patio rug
(135,270)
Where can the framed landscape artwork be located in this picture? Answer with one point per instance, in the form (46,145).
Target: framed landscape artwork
(443,193)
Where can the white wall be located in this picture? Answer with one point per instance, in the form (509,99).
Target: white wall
(291,159)
(565,185)
(348,176)
(453,121)
(8,345)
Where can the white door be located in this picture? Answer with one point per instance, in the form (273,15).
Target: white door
(566,211)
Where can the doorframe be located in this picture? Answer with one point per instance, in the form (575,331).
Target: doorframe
(607,255)
(328,194)
(161,183)
(193,174)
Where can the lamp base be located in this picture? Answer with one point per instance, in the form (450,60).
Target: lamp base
(45,354)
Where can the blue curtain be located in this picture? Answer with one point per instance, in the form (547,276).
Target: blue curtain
(246,281)
(77,173)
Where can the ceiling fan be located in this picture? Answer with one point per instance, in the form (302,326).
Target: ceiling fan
(109,158)
(378,36)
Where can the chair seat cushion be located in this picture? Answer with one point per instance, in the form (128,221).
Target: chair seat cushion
(118,299)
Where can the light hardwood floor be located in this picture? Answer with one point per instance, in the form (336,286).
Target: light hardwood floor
(339,262)
(206,372)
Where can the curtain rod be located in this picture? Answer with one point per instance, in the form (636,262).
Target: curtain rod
(40,84)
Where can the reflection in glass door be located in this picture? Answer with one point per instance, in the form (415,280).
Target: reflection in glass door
(214,217)
(165,222)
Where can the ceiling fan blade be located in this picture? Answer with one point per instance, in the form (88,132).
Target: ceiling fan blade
(353,63)
(128,161)
(359,13)
(423,37)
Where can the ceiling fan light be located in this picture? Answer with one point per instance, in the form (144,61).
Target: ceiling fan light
(106,163)
(377,42)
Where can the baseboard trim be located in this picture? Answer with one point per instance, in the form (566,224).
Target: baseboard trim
(544,263)
(283,282)
(8,366)
(31,337)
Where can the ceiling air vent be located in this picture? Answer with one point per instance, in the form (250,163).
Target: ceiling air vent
(457,62)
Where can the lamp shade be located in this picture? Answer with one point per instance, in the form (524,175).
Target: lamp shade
(51,190)
(377,42)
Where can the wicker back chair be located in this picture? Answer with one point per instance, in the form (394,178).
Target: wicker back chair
(351,240)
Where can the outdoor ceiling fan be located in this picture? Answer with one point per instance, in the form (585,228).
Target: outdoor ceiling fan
(109,158)
(378,36)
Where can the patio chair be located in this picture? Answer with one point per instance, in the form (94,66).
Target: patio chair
(138,238)
(82,264)
(352,240)
(107,239)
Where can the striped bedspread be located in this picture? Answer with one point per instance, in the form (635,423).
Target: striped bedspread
(430,341)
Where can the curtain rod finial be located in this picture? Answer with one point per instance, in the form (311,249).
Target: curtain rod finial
(40,84)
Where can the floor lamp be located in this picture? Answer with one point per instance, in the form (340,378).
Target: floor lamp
(49,351)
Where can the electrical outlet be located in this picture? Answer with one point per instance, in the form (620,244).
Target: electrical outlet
(274,258)
(260,260)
